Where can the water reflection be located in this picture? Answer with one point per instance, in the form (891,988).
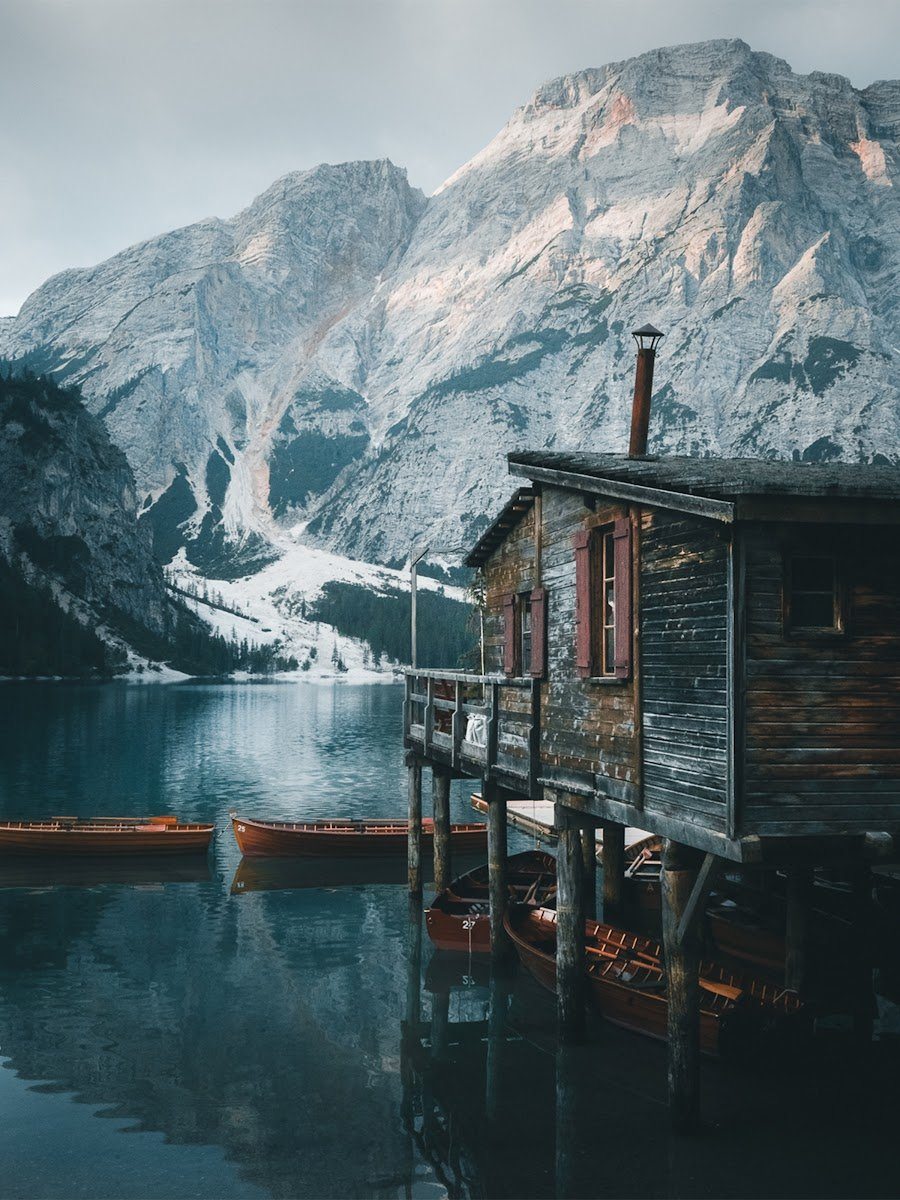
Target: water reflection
(303,1039)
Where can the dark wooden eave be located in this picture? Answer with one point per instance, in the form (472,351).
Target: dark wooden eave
(508,517)
(723,489)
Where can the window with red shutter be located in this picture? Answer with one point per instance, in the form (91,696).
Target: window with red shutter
(539,633)
(509,634)
(583,617)
(623,614)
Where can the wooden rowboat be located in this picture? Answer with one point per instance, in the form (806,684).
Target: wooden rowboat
(98,836)
(627,981)
(643,863)
(459,918)
(343,839)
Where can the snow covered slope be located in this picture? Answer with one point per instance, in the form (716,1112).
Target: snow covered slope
(347,353)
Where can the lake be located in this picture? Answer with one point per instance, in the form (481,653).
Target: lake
(168,1033)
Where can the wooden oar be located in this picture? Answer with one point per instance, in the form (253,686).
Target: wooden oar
(727,990)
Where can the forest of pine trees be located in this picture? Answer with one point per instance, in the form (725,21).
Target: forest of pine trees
(446,633)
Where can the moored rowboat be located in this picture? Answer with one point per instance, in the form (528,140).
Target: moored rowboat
(98,836)
(628,984)
(342,839)
(459,918)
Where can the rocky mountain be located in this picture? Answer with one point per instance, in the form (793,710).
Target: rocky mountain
(81,592)
(349,358)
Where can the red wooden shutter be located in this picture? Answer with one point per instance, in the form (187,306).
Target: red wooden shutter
(539,632)
(624,619)
(509,633)
(582,543)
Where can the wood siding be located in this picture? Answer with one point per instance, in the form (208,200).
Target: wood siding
(510,569)
(823,711)
(587,727)
(684,667)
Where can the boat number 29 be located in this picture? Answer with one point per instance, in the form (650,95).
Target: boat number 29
(241,829)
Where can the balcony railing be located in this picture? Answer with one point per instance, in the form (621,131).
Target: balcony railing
(480,725)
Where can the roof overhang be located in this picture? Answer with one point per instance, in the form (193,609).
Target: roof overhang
(508,517)
(616,489)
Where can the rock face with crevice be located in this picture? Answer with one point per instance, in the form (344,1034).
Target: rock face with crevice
(347,353)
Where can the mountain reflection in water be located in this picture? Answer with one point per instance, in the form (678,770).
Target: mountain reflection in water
(301,1039)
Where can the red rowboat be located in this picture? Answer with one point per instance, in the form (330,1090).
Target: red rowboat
(104,835)
(628,984)
(459,917)
(343,839)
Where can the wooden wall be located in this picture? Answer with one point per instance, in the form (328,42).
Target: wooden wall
(823,712)
(587,726)
(509,569)
(684,656)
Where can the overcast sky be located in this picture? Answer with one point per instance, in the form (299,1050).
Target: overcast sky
(120,119)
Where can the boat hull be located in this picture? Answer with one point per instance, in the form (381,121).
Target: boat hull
(98,841)
(615,957)
(458,919)
(350,839)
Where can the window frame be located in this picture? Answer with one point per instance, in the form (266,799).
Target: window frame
(603,571)
(838,628)
(523,605)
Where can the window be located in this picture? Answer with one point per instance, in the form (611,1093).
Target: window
(604,571)
(524,614)
(603,619)
(812,594)
(524,633)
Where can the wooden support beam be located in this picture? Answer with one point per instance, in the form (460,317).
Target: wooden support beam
(498,891)
(589,860)
(678,876)
(570,1122)
(440,791)
(414,834)
(799,902)
(570,978)
(499,989)
(696,903)
(613,868)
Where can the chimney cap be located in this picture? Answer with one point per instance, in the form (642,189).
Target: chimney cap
(647,337)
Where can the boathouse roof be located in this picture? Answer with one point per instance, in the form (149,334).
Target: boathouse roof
(724,489)
(508,517)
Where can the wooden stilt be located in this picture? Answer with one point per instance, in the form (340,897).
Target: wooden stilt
(414,967)
(501,947)
(498,1007)
(440,788)
(568,1122)
(440,1021)
(679,873)
(414,842)
(589,859)
(570,982)
(799,900)
(613,868)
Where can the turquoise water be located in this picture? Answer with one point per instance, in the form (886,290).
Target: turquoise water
(164,1036)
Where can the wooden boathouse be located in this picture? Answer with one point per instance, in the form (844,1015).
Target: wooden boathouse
(705,648)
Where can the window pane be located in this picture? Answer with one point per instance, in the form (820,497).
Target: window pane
(609,650)
(812,574)
(812,610)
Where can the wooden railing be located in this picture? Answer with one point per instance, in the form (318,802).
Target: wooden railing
(480,725)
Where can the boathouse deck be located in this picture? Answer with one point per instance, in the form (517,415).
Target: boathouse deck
(476,725)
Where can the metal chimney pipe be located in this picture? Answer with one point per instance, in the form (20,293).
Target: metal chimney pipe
(647,339)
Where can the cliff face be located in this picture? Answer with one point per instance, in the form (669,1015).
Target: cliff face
(68,523)
(346,353)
